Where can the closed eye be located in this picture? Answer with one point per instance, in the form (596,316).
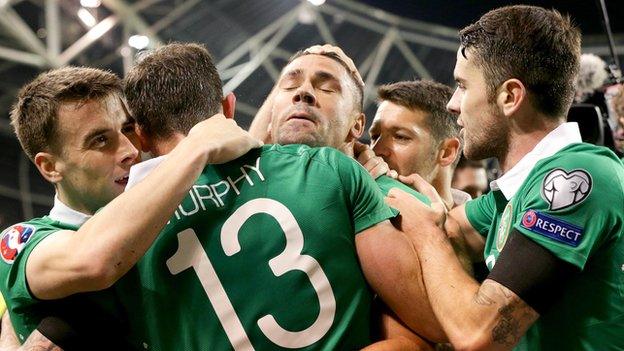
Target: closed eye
(402,137)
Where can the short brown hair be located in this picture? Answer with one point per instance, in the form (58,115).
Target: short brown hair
(35,114)
(429,97)
(173,88)
(539,47)
(359,93)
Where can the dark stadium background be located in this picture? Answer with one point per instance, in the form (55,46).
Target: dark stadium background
(227,25)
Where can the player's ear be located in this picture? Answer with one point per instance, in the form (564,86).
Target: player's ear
(511,96)
(50,167)
(448,152)
(229,105)
(357,128)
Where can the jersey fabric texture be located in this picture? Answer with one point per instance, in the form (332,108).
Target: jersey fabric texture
(386,183)
(87,312)
(261,255)
(572,204)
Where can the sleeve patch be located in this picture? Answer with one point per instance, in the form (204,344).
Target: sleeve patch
(14,239)
(562,189)
(553,228)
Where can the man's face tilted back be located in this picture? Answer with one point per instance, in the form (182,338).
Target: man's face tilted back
(314,103)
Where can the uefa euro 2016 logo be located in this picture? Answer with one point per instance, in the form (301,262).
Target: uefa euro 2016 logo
(13,241)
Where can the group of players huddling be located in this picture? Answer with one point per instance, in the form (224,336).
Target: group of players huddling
(277,238)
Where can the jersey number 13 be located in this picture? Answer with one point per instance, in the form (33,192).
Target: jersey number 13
(190,254)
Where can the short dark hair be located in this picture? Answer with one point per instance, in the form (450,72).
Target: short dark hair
(359,93)
(35,114)
(539,47)
(429,97)
(173,88)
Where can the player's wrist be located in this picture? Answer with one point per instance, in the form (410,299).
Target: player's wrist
(196,149)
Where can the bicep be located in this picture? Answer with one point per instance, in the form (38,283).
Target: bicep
(392,328)
(391,267)
(53,270)
(541,278)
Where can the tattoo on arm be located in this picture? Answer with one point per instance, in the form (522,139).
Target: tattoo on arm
(514,314)
(38,342)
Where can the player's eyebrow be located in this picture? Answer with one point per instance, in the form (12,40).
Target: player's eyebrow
(323,75)
(92,134)
(293,73)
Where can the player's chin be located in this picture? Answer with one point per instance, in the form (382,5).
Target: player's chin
(298,137)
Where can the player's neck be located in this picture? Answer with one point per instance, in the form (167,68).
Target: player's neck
(164,146)
(442,183)
(523,138)
(74,202)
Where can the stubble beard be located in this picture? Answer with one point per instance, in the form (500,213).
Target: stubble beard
(492,139)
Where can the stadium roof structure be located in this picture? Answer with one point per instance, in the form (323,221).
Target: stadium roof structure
(250,41)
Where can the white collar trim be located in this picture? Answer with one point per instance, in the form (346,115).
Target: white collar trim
(139,171)
(64,214)
(562,136)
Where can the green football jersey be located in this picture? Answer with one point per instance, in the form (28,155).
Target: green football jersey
(572,204)
(96,308)
(261,255)
(386,183)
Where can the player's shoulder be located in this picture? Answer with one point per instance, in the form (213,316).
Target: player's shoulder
(597,159)
(579,177)
(303,153)
(14,238)
(586,165)
(386,183)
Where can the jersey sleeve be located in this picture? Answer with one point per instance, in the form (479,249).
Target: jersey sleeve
(571,205)
(386,183)
(480,212)
(18,242)
(365,198)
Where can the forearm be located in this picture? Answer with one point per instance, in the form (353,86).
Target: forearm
(392,268)
(449,288)
(116,237)
(122,231)
(475,317)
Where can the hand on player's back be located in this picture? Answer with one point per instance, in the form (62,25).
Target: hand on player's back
(222,139)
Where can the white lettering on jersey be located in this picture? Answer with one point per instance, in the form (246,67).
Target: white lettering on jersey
(205,196)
